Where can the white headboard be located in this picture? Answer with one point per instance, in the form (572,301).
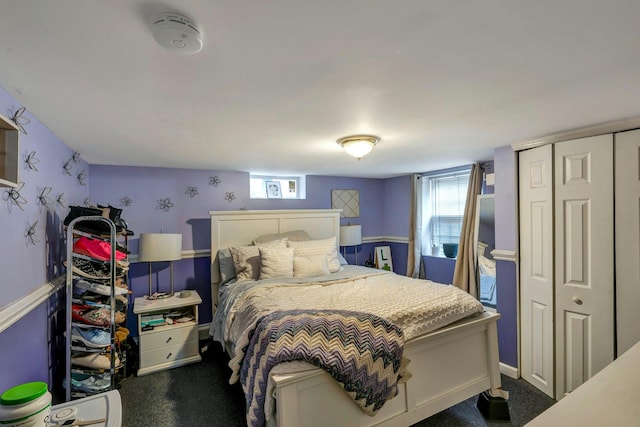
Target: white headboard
(238,228)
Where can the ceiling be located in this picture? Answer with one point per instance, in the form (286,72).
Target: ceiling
(442,83)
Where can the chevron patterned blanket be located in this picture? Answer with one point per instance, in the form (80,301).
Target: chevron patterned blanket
(362,351)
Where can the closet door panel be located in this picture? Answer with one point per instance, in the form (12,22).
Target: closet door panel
(536,266)
(584,263)
(627,158)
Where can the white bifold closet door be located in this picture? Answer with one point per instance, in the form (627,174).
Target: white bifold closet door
(566,262)
(536,267)
(584,260)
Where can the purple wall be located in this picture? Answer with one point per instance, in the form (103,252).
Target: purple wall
(506,239)
(26,347)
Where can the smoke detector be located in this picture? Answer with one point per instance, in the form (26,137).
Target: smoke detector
(176,32)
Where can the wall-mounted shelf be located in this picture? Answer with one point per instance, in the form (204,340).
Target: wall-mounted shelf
(9,152)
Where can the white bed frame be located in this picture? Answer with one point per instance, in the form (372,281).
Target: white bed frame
(447,366)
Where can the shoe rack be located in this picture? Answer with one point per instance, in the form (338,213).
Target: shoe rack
(96,306)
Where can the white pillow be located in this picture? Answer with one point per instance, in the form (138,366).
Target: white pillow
(486,266)
(276,263)
(310,266)
(319,247)
(246,259)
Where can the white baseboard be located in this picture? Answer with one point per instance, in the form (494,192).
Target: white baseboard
(509,371)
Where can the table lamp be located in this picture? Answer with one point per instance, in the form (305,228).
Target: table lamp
(155,247)
(350,235)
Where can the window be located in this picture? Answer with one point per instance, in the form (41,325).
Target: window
(444,197)
(291,187)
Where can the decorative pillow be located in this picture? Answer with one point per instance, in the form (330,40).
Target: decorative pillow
(246,259)
(295,236)
(342,260)
(225,264)
(276,263)
(319,247)
(310,266)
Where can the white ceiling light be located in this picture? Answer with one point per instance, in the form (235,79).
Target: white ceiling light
(358,145)
(176,32)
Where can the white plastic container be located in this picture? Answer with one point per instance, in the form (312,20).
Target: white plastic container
(26,405)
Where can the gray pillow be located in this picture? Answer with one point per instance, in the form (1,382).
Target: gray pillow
(225,262)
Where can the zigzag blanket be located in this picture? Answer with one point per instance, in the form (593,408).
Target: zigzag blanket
(362,351)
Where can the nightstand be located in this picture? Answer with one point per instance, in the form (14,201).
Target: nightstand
(167,344)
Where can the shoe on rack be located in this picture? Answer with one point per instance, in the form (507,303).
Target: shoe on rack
(90,315)
(89,383)
(94,270)
(95,248)
(91,337)
(94,360)
(99,288)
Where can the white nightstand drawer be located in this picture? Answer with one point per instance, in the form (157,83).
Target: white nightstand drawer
(168,354)
(168,337)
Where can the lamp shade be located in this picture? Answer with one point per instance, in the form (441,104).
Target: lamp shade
(160,247)
(350,235)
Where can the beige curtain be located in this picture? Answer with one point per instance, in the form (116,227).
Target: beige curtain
(464,275)
(414,256)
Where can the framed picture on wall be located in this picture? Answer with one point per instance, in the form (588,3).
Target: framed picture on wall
(273,190)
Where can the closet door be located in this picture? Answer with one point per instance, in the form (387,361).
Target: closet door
(627,161)
(584,260)
(536,266)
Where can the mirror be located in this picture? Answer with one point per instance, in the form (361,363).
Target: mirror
(485,242)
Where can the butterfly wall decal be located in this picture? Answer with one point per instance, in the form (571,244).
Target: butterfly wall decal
(13,197)
(30,161)
(18,118)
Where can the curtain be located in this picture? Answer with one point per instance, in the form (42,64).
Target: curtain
(414,257)
(464,275)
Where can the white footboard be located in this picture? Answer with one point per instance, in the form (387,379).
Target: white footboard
(447,366)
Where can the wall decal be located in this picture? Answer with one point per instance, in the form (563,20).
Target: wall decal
(13,197)
(230,196)
(192,192)
(164,205)
(17,118)
(87,202)
(75,157)
(43,197)
(67,167)
(60,200)
(82,177)
(126,201)
(214,180)
(348,201)
(30,161)
(30,234)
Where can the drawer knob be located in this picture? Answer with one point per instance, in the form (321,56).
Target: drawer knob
(168,339)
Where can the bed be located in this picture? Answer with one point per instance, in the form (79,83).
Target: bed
(447,365)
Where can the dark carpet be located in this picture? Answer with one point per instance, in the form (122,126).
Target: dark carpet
(200,395)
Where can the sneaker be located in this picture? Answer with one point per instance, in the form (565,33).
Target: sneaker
(98,249)
(94,360)
(91,316)
(93,270)
(91,337)
(89,383)
(99,288)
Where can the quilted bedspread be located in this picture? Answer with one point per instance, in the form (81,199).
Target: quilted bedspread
(361,351)
(414,306)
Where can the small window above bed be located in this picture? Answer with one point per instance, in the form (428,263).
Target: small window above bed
(277,187)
